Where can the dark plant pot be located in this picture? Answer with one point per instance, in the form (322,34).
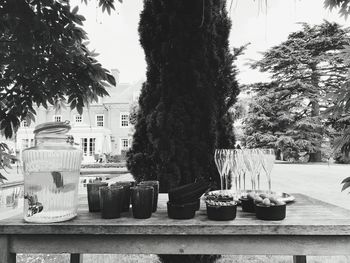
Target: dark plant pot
(221,213)
(188,193)
(247,205)
(142,201)
(127,195)
(111,201)
(94,195)
(198,205)
(276,212)
(155,185)
(182,211)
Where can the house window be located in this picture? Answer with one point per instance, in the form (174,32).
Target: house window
(78,119)
(25,143)
(88,145)
(92,142)
(125,144)
(99,120)
(57,118)
(124,119)
(25,124)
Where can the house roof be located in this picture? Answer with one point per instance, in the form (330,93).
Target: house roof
(123,93)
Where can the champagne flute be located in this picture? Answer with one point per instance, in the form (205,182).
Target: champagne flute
(268,160)
(220,164)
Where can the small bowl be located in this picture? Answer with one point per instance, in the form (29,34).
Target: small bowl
(219,195)
(276,212)
(247,205)
(182,211)
(222,213)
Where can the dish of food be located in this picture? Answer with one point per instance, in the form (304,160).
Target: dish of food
(281,196)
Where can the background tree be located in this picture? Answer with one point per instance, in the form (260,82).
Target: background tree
(307,68)
(190,86)
(44,59)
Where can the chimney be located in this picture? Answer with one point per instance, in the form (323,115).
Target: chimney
(115,72)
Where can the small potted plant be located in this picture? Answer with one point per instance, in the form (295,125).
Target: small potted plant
(269,208)
(247,203)
(220,206)
(221,210)
(182,211)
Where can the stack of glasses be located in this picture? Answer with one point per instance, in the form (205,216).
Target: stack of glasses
(237,166)
(115,199)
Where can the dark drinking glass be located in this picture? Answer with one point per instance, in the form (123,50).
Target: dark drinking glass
(111,201)
(155,185)
(142,201)
(94,196)
(127,195)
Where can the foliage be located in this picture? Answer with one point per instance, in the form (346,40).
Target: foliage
(190,87)
(5,160)
(339,114)
(106,5)
(116,158)
(44,59)
(105,165)
(343,5)
(346,183)
(306,69)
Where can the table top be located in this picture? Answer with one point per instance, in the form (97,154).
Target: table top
(305,216)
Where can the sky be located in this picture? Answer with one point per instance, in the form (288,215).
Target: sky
(262,23)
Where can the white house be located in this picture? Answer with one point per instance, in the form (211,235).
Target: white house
(103,127)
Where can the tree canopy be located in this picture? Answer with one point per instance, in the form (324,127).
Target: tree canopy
(190,86)
(306,69)
(44,59)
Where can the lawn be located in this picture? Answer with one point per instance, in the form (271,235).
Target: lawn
(321,181)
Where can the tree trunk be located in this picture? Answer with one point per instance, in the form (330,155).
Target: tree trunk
(315,157)
(315,111)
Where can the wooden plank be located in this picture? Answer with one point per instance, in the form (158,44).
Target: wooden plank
(307,216)
(76,258)
(239,245)
(5,255)
(299,259)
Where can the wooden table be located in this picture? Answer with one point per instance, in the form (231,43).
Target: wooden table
(311,227)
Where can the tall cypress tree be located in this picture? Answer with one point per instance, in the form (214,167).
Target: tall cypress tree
(190,86)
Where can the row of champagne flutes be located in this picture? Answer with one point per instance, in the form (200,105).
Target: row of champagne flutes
(239,166)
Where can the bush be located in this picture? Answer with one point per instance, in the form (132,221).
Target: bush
(117,158)
(104,165)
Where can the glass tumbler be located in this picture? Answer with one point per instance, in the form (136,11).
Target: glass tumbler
(142,201)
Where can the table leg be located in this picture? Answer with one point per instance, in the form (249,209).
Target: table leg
(76,258)
(299,259)
(5,255)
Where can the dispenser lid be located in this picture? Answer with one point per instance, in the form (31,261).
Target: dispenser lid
(53,127)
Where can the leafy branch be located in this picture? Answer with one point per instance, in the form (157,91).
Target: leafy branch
(5,160)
